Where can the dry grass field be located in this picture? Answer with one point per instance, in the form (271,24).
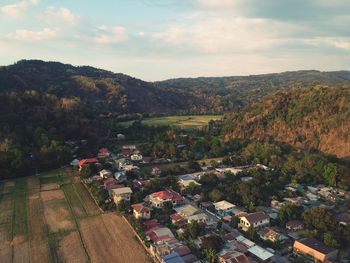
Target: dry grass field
(52,218)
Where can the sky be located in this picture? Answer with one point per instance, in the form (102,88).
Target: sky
(162,39)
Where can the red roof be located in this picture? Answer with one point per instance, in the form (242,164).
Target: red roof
(176,217)
(104,151)
(141,208)
(87,161)
(169,194)
(151,223)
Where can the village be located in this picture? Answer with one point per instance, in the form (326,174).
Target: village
(176,225)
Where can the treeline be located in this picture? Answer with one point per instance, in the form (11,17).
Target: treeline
(317,118)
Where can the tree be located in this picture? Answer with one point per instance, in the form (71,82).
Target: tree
(212,242)
(330,174)
(215,195)
(193,188)
(194,229)
(234,221)
(328,239)
(121,207)
(209,254)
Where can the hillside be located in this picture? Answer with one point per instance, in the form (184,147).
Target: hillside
(229,93)
(317,118)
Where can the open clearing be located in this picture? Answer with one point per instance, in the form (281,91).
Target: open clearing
(52,218)
(189,122)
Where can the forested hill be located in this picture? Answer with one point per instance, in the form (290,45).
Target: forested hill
(234,92)
(103,91)
(317,118)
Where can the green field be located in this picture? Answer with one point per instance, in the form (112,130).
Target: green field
(192,122)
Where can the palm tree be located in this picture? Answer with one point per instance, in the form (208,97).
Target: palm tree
(210,254)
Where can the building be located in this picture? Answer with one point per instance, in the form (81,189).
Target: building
(141,211)
(260,254)
(87,161)
(272,234)
(256,220)
(314,249)
(295,225)
(159,198)
(105,173)
(155,171)
(103,153)
(232,257)
(123,193)
(136,157)
(223,208)
(172,258)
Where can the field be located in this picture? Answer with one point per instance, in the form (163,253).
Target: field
(186,122)
(52,218)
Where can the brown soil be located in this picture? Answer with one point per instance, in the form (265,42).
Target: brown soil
(104,241)
(71,250)
(57,216)
(90,206)
(49,186)
(39,249)
(33,184)
(6,210)
(52,195)
(21,252)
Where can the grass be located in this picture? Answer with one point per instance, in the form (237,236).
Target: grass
(19,222)
(189,122)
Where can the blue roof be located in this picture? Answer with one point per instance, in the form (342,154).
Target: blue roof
(173,258)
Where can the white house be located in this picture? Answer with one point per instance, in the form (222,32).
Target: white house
(104,173)
(257,220)
(141,211)
(118,194)
(223,208)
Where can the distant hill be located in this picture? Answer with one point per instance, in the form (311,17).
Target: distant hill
(229,93)
(316,118)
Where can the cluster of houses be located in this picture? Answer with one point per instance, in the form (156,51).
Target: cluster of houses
(165,246)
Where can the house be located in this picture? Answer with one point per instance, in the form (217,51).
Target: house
(159,198)
(120,176)
(172,258)
(272,234)
(159,233)
(155,171)
(103,153)
(343,218)
(233,170)
(200,218)
(260,254)
(105,173)
(136,157)
(123,193)
(75,162)
(186,210)
(141,211)
(314,249)
(87,161)
(256,220)
(129,147)
(294,225)
(120,137)
(111,183)
(232,257)
(223,208)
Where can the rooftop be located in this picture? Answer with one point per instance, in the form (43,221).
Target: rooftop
(260,252)
(316,245)
(122,190)
(223,205)
(256,217)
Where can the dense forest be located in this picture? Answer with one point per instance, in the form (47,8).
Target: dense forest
(317,118)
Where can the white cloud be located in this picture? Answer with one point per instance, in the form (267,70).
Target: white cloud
(17,10)
(217,3)
(60,15)
(32,36)
(226,34)
(338,42)
(111,35)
